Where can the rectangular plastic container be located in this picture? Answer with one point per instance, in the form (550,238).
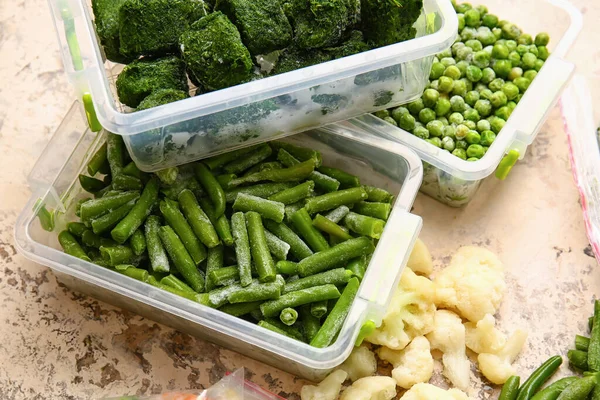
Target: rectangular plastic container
(454,181)
(376,161)
(205,125)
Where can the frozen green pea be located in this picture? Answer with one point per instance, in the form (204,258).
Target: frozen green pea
(457,103)
(430,97)
(497,124)
(480,87)
(511,105)
(487,138)
(460,153)
(456,46)
(497,32)
(448,61)
(474,73)
(436,141)
(522,49)
(472,17)
(421,132)
(496,84)
(456,117)
(462,68)
(449,131)
(397,113)
(468,84)
(533,49)
(543,53)
(483,125)
(499,99)
(500,52)
(511,45)
(448,144)
(442,107)
(379,114)
(528,60)
(471,115)
(460,88)
(426,115)
(475,150)
(435,128)
(489,20)
(487,75)
(390,120)
(464,53)
(510,31)
(486,36)
(416,106)
(522,84)
(474,44)
(467,33)
(503,112)
(486,94)
(445,84)
(510,90)
(472,97)
(461,131)
(437,69)
(462,7)
(444,54)
(407,122)
(461,144)
(538,64)
(542,39)
(514,58)
(452,72)
(531,74)
(443,120)
(470,124)
(525,39)
(461,21)
(473,137)
(434,85)
(515,73)
(502,68)
(483,107)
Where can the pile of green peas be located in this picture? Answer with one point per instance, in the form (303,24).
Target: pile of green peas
(473,86)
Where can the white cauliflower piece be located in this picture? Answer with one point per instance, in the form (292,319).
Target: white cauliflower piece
(412,365)
(425,391)
(473,283)
(371,388)
(410,313)
(328,389)
(360,364)
(448,336)
(483,337)
(498,367)
(420,260)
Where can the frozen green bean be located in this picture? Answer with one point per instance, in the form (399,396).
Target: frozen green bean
(214,261)
(263,190)
(296,173)
(218,297)
(338,277)
(301,153)
(168,176)
(181,258)
(277,247)
(291,209)
(266,208)
(91,185)
(338,214)
(116,255)
(126,182)
(378,195)
(224,180)
(176,220)
(138,242)
(71,246)
(363,225)
(200,298)
(261,256)
(132,170)
(288,316)
(176,283)
(224,276)
(334,321)
(94,208)
(221,223)
(318,309)
(303,224)
(286,267)
(90,239)
(138,213)
(346,180)
(242,247)
(375,210)
(212,187)
(98,162)
(325,225)
(295,194)
(240,309)
(115,150)
(322,182)
(78,206)
(333,200)
(298,298)
(108,221)
(198,220)
(272,327)
(249,160)
(133,272)
(156,252)
(309,322)
(257,291)
(218,161)
(358,266)
(76,228)
(335,256)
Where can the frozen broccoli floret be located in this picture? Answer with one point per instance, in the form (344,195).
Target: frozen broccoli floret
(162,97)
(321,23)
(142,77)
(153,27)
(293,59)
(330,103)
(354,45)
(106,19)
(262,24)
(387,22)
(214,53)
(382,98)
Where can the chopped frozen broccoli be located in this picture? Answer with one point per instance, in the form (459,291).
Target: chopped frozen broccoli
(330,103)
(383,97)
(162,97)
(248,114)
(381,75)
(142,77)
(106,18)
(153,27)
(262,24)
(214,53)
(321,23)
(354,45)
(293,59)
(387,22)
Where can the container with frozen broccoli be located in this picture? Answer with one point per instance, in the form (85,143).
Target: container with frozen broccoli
(182,80)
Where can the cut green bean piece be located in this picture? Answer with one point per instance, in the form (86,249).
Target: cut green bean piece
(338,277)
(378,195)
(363,225)
(263,190)
(218,297)
(115,153)
(212,187)
(221,223)
(272,327)
(116,255)
(198,220)
(156,252)
(266,208)
(214,261)
(133,272)
(98,162)
(176,283)
(270,165)
(176,220)
(90,239)
(298,248)
(333,200)
(291,209)
(580,389)
(338,214)
(138,242)
(242,247)
(346,180)
(375,210)
(200,298)
(181,258)
(240,309)
(225,179)
(95,208)
(578,359)
(288,316)
(249,160)
(358,266)
(91,185)
(333,324)
(76,228)
(106,192)
(294,299)
(336,256)
(296,173)
(286,267)
(168,176)
(78,206)
(108,221)
(138,213)
(325,225)
(126,182)
(265,266)
(257,291)
(581,342)
(218,161)
(71,246)
(322,182)
(278,248)
(295,194)
(552,391)
(510,388)
(301,153)
(303,224)
(318,309)
(225,276)
(310,323)
(594,346)
(132,170)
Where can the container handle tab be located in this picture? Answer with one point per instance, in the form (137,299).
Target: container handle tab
(505,166)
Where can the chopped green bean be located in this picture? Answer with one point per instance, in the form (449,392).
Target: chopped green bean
(286,267)
(138,242)
(333,200)
(91,185)
(266,208)
(176,220)
(133,272)
(298,248)
(115,150)
(322,182)
(71,246)
(358,266)
(126,182)
(214,261)
(298,298)
(240,309)
(224,180)
(578,359)
(288,316)
(296,173)
(310,323)
(218,161)
(338,277)
(176,283)
(242,247)
(156,252)
(303,224)
(318,309)
(90,239)
(181,258)
(221,223)
(138,214)
(338,214)
(198,220)
(116,255)
(375,210)
(330,227)
(378,195)
(277,247)
(260,250)
(363,225)
(212,187)
(249,160)
(335,256)
(95,208)
(168,176)
(594,346)
(257,291)
(76,228)
(346,180)
(581,342)
(263,190)
(270,326)
(98,162)
(301,153)
(224,276)
(132,170)
(295,194)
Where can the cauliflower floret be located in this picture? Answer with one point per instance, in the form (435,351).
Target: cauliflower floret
(498,367)
(448,336)
(483,337)
(412,365)
(425,391)
(420,259)
(371,388)
(473,284)
(410,313)
(360,364)
(328,389)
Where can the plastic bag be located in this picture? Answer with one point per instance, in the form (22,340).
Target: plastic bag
(231,387)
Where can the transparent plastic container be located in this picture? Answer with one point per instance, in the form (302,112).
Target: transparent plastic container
(257,111)
(375,160)
(454,181)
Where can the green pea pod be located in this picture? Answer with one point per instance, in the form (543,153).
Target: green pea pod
(594,347)
(510,389)
(554,390)
(579,390)
(539,377)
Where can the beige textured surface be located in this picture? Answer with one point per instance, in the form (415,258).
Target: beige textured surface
(58,344)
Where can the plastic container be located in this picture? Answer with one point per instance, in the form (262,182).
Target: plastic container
(454,181)
(377,161)
(201,126)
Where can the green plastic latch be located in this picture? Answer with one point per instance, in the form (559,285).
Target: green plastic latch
(506,164)
(366,330)
(46,217)
(90,113)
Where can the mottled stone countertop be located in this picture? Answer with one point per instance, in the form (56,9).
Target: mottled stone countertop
(55,343)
